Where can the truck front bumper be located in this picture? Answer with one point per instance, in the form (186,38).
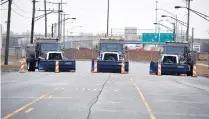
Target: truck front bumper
(66,65)
(110,66)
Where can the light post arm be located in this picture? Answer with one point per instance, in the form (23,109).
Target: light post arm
(194,11)
(181,22)
(170,29)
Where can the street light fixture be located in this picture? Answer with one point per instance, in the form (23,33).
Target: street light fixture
(177,7)
(194,11)
(174,16)
(181,22)
(164,26)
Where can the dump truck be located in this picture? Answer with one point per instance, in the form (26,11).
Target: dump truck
(111,56)
(177,58)
(44,53)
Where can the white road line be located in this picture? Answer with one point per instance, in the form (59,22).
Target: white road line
(172,94)
(181,101)
(115,90)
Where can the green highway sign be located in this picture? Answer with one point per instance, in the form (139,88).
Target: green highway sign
(156,37)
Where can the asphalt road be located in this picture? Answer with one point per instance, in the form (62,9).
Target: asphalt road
(86,95)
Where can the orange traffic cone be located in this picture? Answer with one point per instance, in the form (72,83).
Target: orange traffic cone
(95,66)
(22,66)
(57,67)
(159,69)
(194,72)
(123,67)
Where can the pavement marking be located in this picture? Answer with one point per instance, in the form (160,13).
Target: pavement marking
(177,101)
(29,110)
(144,100)
(50,96)
(27,105)
(173,94)
(23,107)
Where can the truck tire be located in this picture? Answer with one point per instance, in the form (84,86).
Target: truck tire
(31,66)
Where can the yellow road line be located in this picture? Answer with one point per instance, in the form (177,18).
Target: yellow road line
(27,105)
(29,110)
(50,96)
(144,101)
(23,107)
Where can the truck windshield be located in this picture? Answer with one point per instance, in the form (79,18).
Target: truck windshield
(111,47)
(174,50)
(50,47)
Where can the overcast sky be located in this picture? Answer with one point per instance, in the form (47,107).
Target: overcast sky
(91,15)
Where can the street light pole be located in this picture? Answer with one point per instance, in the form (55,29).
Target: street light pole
(174,32)
(108,7)
(176,19)
(188,21)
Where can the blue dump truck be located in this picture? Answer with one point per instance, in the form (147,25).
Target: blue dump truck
(44,54)
(111,56)
(176,59)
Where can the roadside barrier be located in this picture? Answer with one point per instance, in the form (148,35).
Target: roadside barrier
(57,67)
(159,69)
(22,66)
(95,66)
(123,66)
(194,72)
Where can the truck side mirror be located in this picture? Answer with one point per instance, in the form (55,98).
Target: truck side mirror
(160,51)
(126,49)
(96,48)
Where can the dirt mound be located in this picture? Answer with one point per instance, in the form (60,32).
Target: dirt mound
(134,55)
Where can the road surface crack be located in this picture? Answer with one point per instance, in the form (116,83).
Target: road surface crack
(97,98)
(190,86)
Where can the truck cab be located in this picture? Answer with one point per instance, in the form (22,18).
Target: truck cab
(176,58)
(111,52)
(54,55)
(110,56)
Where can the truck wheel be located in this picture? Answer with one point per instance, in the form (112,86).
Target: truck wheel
(31,66)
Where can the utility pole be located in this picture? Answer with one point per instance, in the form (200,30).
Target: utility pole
(59,36)
(45,15)
(59,17)
(176,29)
(8,33)
(32,24)
(108,9)
(192,39)
(52,30)
(157,30)
(45,18)
(60,21)
(174,32)
(64,28)
(156,19)
(188,21)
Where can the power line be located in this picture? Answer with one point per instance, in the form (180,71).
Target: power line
(4,2)
(19,8)
(20,14)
